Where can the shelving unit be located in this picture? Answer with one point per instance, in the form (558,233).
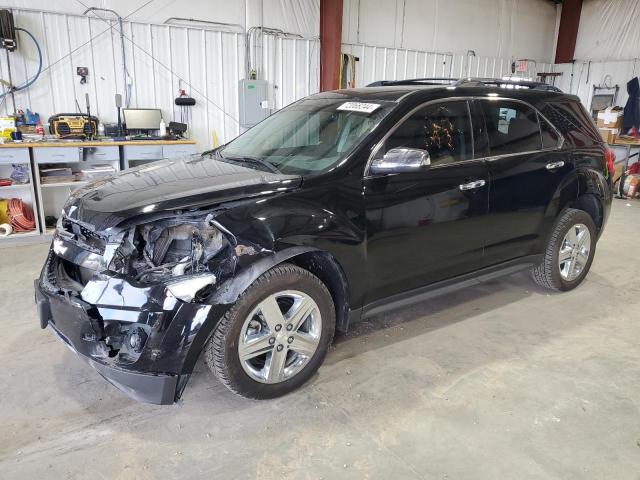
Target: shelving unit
(17,186)
(25,192)
(76,184)
(47,199)
(52,196)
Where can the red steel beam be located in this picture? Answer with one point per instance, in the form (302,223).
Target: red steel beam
(330,43)
(568,31)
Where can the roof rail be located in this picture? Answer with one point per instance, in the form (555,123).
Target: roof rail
(415,81)
(511,82)
(506,82)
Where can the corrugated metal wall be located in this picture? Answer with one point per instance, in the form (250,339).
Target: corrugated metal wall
(208,64)
(379,63)
(160,59)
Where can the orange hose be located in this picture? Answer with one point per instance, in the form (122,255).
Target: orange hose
(21,215)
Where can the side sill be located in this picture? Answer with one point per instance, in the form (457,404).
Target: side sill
(443,287)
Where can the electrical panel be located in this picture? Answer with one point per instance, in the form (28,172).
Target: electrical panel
(252,100)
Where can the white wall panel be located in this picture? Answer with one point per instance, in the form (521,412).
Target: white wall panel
(579,78)
(609,30)
(160,59)
(493,28)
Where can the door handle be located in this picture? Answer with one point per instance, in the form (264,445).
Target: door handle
(472,185)
(554,165)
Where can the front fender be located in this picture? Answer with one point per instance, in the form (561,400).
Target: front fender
(226,295)
(230,290)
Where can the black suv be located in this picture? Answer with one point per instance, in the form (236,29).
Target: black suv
(343,205)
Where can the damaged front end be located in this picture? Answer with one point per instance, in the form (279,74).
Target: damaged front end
(133,299)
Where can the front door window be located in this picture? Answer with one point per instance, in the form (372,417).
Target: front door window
(443,129)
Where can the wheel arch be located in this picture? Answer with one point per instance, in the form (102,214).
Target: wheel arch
(592,196)
(320,263)
(324,266)
(585,189)
(591,204)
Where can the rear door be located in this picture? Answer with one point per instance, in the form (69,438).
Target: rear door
(526,167)
(427,225)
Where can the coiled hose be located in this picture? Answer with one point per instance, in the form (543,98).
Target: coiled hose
(21,215)
(30,81)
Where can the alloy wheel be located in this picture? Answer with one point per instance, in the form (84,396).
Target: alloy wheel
(280,336)
(574,252)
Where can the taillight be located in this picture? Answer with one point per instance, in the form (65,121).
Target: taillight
(610,157)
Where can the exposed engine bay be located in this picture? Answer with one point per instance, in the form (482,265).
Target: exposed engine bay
(167,248)
(174,247)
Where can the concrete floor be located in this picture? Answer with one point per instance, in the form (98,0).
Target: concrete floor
(503,380)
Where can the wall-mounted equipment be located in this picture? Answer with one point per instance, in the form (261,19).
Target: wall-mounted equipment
(8,41)
(347,77)
(184,103)
(252,96)
(603,96)
(7,31)
(83,73)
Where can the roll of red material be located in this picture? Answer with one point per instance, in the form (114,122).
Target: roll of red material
(21,216)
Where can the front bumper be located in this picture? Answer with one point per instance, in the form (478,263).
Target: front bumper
(71,321)
(86,321)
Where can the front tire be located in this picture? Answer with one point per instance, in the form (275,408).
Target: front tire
(276,335)
(569,253)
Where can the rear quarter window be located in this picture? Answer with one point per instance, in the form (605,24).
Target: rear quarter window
(573,122)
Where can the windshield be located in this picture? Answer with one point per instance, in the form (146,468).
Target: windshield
(311,136)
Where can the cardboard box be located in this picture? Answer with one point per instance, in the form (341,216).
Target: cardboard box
(610,118)
(609,135)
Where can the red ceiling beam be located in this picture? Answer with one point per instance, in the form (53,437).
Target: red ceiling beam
(568,31)
(330,43)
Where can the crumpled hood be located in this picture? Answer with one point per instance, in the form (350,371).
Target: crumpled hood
(168,185)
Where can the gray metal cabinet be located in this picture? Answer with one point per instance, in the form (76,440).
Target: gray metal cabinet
(14,155)
(176,151)
(136,154)
(57,155)
(101,154)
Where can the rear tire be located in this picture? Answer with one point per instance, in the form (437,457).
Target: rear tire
(275,336)
(569,253)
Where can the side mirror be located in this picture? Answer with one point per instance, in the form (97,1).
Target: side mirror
(399,160)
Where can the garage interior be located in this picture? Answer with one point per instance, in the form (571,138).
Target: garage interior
(500,380)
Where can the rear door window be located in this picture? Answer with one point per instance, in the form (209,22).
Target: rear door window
(512,127)
(550,137)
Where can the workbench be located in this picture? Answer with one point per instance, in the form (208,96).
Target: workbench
(47,199)
(628,144)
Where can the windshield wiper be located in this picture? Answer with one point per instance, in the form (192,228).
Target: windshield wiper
(258,162)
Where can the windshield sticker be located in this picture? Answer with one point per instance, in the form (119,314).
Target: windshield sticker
(359,107)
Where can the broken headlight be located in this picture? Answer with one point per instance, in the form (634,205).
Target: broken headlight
(170,249)
(186,288)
